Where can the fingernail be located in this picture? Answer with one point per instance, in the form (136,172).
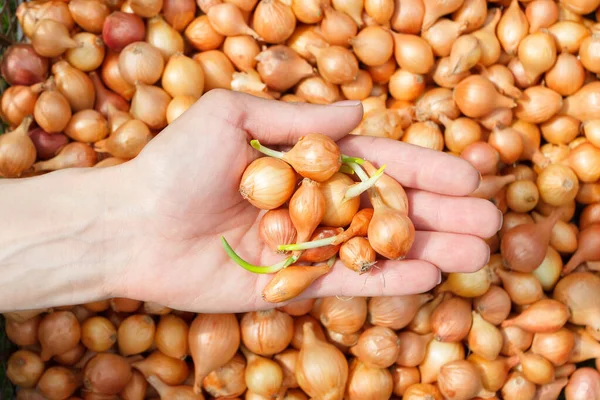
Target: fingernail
(346,103)
(501,219)
(440,279)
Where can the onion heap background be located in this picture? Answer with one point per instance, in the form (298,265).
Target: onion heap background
(510,86)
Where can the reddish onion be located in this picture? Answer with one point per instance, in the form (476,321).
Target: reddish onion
(121,29)
(21,65)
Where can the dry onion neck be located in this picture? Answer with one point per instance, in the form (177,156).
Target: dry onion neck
(257,269)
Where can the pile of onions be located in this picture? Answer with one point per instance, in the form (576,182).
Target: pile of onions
(511,87)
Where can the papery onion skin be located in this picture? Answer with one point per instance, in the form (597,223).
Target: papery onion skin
(459,380)
(72,155)
(207,358)
(384,311)
(57,383)
(377,347)
(276,228)
(575,291)
(52,111)
(266,332)
(136,334)
(22,66)
(89,14)
(107,373)
(75,85)
(121,29)
(273,21)
(23,333)
(321,369)
(141,62)
(337,211)
(343,316)
(228,380)
(18,102)
(218,70)
(24,368)
(366,382)
(179,13)
(58,333)
(171,370)
(242,51)
(17,150)
(438,354)
(583,384)
(259,187)
(451,320)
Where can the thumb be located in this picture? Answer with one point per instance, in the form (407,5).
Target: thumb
(279,123)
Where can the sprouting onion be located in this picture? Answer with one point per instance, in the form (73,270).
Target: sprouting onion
(257,269)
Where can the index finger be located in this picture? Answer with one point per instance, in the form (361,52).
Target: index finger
(414,166)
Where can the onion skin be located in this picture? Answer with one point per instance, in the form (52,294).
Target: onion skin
(179,13)
(171,370)
(47,145)
(321,369)
(135,388)
(377,347)
(228,380)
(476,97)
(106,98)
(121,29)
(89,14)
(208,354)
(267,183)
(555,347)
(543,316)
(421,323)
(22,66)
(23,333)
(408,16)
(451,320)
(267,332)
(384,311)
(52,111)
(136,334)
(24,368)
(365,382)
(576,291)
(107,374)
(276,228)
(437,355)
(58,383)
(58,333)
(524,247)
(583,104)
(218,70)
(75,85)
(17,151)
(315,156)
(583,384)
(111,75)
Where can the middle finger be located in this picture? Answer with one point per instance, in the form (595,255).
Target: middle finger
(466,215)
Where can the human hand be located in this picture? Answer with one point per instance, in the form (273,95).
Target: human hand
(187,182)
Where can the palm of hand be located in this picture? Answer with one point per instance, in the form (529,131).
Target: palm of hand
(192,183)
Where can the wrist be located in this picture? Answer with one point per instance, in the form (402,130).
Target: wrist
(67,236)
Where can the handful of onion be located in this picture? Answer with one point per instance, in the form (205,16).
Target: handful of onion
(322,219)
